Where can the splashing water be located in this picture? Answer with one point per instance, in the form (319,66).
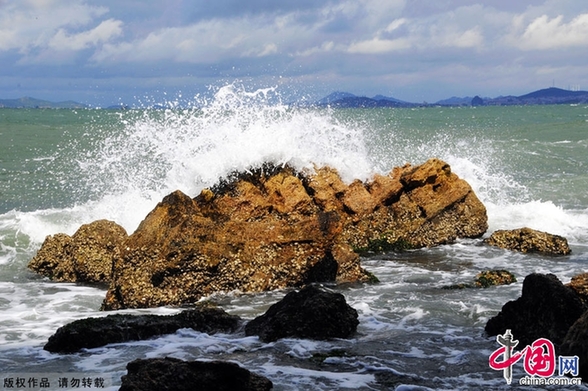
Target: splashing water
(188,149)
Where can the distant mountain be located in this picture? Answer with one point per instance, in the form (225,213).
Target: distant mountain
(348,100)
(335,96)
(553,93)
(32,103)
(546,96)
(455,101)
(389,98)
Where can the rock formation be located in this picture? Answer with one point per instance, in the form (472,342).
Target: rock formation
(486,279)
(311,313)
(528,240)
(94,332)
(579,284)
(87,256)
(178,375)
(575,343)
(273,227)
(546,309)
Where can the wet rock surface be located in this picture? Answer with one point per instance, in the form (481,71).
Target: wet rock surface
(95,332)
(272,228)
(528,240)
(486,279)
(177,375)
(579,284)
(546,309)
(311,313)
(575,343)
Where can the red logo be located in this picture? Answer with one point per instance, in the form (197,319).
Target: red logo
(539,357)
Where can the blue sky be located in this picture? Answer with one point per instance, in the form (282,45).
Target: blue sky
(107,52)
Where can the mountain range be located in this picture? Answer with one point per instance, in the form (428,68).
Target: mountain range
(341,99)
(545,96)
(30,103)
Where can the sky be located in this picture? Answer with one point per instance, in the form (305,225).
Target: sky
(128,51)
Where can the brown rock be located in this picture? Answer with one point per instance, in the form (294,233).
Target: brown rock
(87,256)
(579,284)
(358,200)
(528,240)
(433,207)
(273,227)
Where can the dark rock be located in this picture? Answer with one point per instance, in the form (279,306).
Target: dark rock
(546,309)
(575,343)
(528,240)
(95,332)
(311,313)
(172,374)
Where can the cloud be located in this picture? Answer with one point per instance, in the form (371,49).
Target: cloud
(377,45)
(104,32)
(327,42)
(35,28)
(545,33)
(471,38)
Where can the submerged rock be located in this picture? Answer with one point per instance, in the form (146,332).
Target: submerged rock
(95,332)
(87,256)
(486,279)
(528,240)
(177,375)
(311,313)
(273,227)
(546,309)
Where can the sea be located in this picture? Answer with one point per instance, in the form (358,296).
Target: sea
(63,168)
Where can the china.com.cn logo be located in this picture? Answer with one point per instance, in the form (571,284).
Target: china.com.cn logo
(539,362)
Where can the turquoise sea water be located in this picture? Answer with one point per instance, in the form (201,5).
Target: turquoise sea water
(63,168)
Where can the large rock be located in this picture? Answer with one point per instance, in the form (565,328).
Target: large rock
(575,343)
(273,227)
(546,309)
(177,375)
(311,313)
(528,240)
(94,332)
(87,256)
(579,284)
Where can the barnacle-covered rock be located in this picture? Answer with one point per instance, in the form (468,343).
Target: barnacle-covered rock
(273,227)
(87,256)
(528,240)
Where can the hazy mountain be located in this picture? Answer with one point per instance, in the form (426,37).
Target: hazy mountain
(28,102)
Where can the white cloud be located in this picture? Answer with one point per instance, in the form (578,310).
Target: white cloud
(377,45)
(37,25)
(552,33)
(104,32)
(323,48)
(471,38)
